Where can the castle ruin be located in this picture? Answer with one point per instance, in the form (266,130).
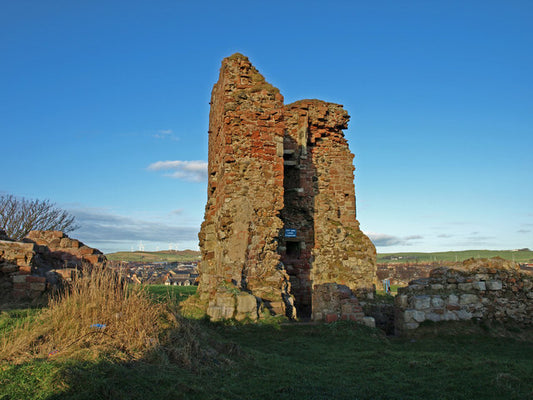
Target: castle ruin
(280,234)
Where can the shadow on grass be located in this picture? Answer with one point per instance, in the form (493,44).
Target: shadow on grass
(336,361)
(342,360)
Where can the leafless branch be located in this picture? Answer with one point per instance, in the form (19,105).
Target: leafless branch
(19,216)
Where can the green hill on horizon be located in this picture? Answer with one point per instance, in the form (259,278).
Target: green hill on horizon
(155,256)
(520,256)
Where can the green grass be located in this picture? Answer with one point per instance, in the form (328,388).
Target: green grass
(290,361)
(154,256)
(453,256)
(175,293)
(11,319)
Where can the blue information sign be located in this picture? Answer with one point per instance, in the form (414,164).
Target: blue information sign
(290,233)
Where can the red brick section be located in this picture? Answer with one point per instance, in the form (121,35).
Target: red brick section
(333,302)
(239,234)
(340,252)
(272,167)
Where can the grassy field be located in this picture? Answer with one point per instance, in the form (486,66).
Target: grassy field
(155,256)
(453,256)
(286,361)
(189,255)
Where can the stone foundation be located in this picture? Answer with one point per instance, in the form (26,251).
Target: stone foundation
(484,289)
(333,302)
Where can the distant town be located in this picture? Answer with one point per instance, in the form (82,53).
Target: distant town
(158,273)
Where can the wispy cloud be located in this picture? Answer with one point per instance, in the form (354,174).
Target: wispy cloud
(192,171)
(101,227)
(523,231)
(384,240)
(444,236)
(165,134)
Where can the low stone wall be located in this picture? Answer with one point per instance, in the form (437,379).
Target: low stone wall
(333,302)
(17,261)
(492,289)
(63,251)
(402,273)
(42,258)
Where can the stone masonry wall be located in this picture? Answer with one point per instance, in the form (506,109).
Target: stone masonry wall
(333,302)
(320,204)
(275,169)
(486,289)
(239,234)
(42,257)
(402,273)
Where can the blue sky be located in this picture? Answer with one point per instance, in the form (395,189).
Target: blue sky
(104,110)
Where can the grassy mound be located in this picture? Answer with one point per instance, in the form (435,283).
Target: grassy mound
(97,317)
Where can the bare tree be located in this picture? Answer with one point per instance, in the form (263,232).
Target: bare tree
(19,216)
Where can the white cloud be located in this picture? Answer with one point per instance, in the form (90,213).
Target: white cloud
(192,171)
(166,134)
(384,240)
(102,229)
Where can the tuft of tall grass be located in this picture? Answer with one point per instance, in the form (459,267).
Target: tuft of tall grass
(99,316)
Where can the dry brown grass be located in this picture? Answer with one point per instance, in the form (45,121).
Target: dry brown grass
(135,327)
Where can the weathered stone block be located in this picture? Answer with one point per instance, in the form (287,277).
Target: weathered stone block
(19,278)
(414,315)
(369,321)
(453,299)
(246,305)
(463,314)
(464,286)
(449,316)
(433,317)
(494,285)
(9,268)
(467,298)
(437,302)
(39,287)
(480,285)
(421,302)
(401,301)
(331,318)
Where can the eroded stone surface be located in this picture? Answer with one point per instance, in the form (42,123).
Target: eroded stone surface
(42,257)
(274,168)
(492,289)
(320,204)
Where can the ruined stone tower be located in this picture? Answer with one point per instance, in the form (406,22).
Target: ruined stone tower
(280,225)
